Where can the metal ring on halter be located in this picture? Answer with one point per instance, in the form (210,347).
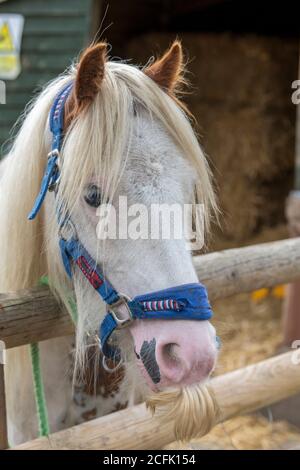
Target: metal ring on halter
(109,369)
(55,153)
(68,224)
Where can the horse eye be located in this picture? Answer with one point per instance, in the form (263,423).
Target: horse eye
(93,196)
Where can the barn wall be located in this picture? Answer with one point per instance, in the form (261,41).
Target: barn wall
(54,32)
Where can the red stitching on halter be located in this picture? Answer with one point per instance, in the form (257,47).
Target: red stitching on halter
(89,272)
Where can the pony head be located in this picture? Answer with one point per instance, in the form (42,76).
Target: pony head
(127,138)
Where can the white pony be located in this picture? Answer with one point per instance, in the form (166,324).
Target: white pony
(126,134)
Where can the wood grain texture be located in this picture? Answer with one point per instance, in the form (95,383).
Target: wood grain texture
(30,316)
(34,315)
(249,268)
(237,392)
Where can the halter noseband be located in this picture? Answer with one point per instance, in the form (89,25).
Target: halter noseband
(184,302)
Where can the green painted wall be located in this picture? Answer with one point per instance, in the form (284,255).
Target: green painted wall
(54,32)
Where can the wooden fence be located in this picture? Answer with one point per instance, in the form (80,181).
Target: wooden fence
(34,315)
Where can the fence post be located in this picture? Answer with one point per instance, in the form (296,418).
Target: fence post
(3,420)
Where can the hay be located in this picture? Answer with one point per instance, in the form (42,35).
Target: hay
(240,203)
(246,433)
(252,157)
(267,234)
(249,141)
(250,331)
(228,68)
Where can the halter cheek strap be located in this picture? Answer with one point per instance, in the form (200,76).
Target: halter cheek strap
(74,253)
(184,302)
(51,174)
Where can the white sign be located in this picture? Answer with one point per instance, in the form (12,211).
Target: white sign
(11,30)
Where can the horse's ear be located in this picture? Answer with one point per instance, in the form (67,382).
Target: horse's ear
(90,73)
(167,71)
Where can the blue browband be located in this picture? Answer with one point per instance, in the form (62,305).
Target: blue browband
(185,302)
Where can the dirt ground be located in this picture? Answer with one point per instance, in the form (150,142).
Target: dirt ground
(249,326)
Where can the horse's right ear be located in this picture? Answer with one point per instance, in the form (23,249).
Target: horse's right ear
(90,73)
(88,80)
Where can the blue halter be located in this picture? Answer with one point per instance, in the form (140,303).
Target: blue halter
(184,302)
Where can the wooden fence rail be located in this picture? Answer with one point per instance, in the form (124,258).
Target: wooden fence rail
(34,315)
(241,391)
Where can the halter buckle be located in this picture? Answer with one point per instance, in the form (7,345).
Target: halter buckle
(121,322)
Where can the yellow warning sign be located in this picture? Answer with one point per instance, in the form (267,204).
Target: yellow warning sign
(11,30)
(6,40)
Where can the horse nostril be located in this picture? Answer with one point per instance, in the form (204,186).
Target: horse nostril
(182,364)
(169,352)
(170,361)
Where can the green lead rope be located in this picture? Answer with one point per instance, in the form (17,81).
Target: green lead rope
(39,392)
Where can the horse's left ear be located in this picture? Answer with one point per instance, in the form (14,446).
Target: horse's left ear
(167,71)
